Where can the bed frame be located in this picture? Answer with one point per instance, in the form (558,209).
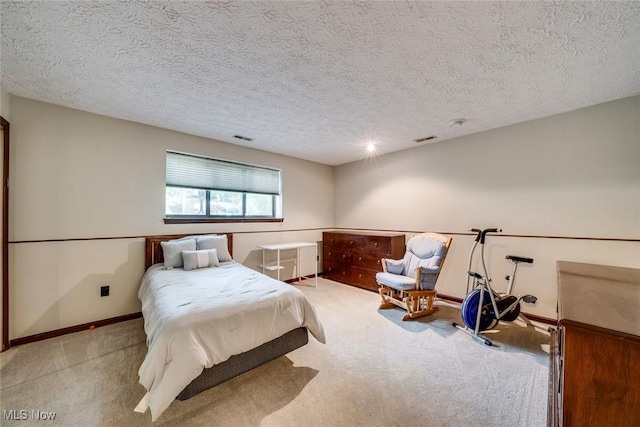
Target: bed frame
(239,363)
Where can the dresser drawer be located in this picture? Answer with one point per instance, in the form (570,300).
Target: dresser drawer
(370,260)
(350,241)
(335,254)
(364,278)
(377,244)
(336,271)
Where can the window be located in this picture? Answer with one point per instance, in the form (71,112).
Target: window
(199,188)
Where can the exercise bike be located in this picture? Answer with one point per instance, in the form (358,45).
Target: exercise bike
(483,308)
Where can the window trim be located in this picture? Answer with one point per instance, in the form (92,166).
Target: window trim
(202,220)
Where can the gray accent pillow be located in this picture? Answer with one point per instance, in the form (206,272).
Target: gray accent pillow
(218,243)
(172,252)
(200,259)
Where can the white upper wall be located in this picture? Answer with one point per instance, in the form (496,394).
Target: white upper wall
(573,174)
(80,175)
(77,175)
(576,174)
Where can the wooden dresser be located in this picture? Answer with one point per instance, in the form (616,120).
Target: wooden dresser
(595,353)
(354,258)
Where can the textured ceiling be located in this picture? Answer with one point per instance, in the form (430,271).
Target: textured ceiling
(317,80)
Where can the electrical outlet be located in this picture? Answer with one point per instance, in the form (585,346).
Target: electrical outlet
(104,291)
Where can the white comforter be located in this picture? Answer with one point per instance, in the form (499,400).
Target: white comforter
(196,319)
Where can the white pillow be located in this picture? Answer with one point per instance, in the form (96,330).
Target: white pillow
(215,242)
(202,236)
(172,252)
(200,259)
(194,237)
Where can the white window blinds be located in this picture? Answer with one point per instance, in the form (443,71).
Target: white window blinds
(189,171)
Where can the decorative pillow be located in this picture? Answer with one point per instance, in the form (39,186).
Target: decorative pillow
(194,237)
(395,266)
(172,252)
(200,259)
(215,242)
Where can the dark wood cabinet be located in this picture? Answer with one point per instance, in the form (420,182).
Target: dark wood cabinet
(354,258)
(595,352)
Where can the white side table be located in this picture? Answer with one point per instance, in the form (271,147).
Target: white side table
(287,246)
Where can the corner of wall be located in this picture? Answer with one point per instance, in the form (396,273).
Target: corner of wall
(4,104)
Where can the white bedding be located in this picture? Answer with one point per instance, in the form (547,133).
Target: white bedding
(196,319)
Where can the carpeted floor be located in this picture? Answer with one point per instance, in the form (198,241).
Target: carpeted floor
(375,370)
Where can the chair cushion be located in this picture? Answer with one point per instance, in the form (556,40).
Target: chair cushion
(396,281)
(423,252)
(395,266)
(428,278)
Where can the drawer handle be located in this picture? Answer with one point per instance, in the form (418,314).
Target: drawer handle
(344,255)
(378,262)
(360,276)
(351,242)
(375,244)
(360,258)
(329,254)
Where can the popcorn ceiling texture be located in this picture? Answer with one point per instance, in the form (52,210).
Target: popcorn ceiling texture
(316,80)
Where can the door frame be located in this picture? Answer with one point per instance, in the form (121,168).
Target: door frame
(5,234)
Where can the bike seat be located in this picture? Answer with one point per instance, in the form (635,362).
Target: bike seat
(474,274)
(519,259)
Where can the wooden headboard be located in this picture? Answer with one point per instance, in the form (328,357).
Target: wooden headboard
(153,250)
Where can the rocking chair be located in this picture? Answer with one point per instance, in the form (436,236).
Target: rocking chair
(410,283)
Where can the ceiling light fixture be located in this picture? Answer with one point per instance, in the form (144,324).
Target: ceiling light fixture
(456,122)
(371,148)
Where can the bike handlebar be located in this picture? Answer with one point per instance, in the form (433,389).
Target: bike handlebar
(483,233)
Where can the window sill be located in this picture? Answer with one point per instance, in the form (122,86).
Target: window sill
(218,220)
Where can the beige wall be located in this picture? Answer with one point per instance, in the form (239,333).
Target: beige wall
(77,175)
(574,174)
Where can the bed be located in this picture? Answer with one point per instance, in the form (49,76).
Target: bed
(207,325)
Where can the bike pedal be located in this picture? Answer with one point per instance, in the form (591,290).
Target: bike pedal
(529,299)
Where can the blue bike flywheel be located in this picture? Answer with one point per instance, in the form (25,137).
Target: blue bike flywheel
(469,311)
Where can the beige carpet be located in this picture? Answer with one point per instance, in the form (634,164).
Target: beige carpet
(375,370)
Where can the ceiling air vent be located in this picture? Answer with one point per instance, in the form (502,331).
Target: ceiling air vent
(427,138)
(244,138)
